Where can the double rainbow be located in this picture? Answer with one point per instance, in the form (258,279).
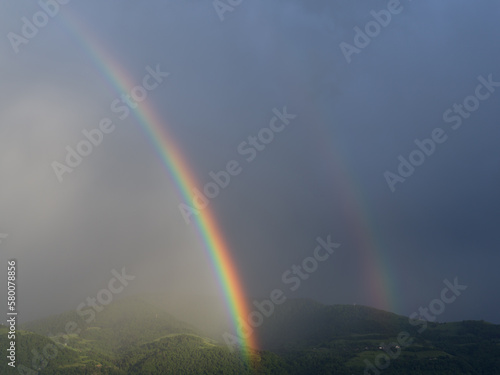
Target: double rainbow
(375,274)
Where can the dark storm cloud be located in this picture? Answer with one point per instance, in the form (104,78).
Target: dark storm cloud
(120,207)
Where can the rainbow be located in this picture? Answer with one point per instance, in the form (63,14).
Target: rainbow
(173,159)
(376,269)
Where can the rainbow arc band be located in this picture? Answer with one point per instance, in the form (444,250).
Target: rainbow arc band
(174,161)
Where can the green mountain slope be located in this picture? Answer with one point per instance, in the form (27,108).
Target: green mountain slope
(301,337)
(39,354)
(310,335)
(122,324)
(130,336)
(191,354)
(301,323)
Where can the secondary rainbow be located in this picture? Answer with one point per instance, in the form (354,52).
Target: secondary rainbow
(217,249)
(377,272)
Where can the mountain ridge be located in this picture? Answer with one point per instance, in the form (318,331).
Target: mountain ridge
(301,336)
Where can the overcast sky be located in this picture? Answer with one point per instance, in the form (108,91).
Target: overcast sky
(360,103)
